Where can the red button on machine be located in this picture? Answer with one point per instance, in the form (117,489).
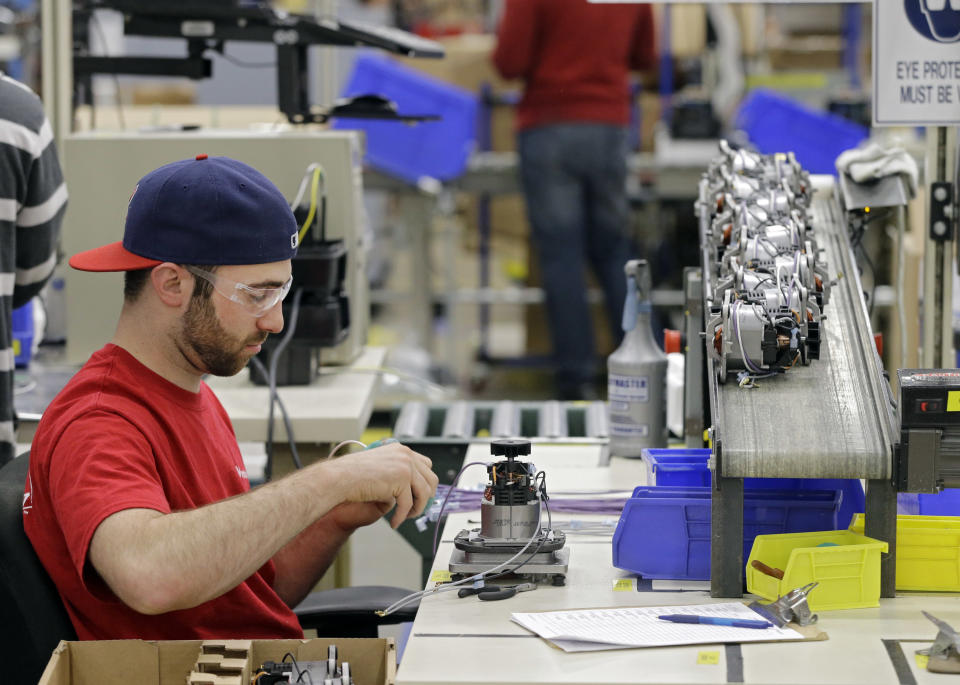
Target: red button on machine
(929,406)
(202,155)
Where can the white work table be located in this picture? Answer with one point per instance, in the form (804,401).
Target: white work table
(469,642)
(336,406)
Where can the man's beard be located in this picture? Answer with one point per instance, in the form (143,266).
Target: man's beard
(218,352)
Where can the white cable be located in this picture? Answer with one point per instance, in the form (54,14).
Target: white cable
(449,586)
(303,185)
(387,370)
(728,89)
(780,286)
(342,443)
(25,388)
(477,576)
(443,505)
(901,313)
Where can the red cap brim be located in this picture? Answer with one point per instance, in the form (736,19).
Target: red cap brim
(112,257)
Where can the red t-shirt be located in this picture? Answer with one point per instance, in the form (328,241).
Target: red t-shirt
(574,57)
(119,437)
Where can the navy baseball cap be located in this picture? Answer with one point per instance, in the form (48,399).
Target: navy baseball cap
(206,210)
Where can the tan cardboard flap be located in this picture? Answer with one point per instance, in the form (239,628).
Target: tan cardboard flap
(129,662)
(229,648)
(114,662)
(215,663)
(810,633)
(57,671)
(176,659)
(214,679)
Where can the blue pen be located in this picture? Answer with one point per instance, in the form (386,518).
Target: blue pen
(381,442)
(715,621)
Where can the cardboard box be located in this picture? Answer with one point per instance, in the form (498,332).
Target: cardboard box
(805,52)
(688,28)
(466,63)
(123,662)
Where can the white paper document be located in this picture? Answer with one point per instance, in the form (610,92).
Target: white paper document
(593,629)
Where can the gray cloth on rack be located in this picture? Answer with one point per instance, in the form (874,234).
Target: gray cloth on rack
(871,162)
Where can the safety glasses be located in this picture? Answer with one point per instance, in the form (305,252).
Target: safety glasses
(256,301)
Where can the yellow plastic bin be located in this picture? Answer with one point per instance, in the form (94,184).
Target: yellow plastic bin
(846,566)
(928,551)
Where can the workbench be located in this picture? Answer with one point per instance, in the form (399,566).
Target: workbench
(336,406)
(458,641)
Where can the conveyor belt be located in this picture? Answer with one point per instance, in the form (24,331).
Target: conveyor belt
(831,419)
(552,421)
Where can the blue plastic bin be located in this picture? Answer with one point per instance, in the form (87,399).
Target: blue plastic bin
(437,149)
(677,467)
(665,532)
(944,503)
(22,328)
(775,123)
(688,468)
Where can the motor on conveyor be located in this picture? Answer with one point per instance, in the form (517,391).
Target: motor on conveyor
(510,522)
(767,282)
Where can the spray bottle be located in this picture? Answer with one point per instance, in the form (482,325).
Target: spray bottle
(636,373)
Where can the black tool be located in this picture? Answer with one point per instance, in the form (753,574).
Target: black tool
(491,593)
(468,591)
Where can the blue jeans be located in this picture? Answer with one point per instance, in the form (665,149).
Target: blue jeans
(574,177)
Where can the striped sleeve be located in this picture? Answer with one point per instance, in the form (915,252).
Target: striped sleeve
(38,223)
(33,199)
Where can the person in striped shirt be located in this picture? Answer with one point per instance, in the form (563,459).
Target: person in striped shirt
(33,197)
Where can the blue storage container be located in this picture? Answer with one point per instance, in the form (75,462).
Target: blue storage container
(775,123)
(688,467)
(437,149)
(944,503)
(679,467)
(22,329)
(665,532)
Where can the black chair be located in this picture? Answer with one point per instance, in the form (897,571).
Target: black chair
(34,619)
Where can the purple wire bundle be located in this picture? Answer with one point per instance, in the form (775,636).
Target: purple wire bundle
(461,499)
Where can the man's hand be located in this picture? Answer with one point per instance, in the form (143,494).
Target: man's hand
(386,475)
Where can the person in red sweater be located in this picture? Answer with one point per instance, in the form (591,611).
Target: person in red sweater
(575,59)
(137,500)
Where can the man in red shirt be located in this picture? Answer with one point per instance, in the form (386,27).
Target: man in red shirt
(575,58)
(137,501)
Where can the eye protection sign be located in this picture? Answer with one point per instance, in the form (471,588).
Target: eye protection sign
(916,62)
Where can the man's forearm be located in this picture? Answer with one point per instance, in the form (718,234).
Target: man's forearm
(304,560)
(183,559)
(163,562)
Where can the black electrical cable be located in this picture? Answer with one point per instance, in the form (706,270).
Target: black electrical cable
(265,374)
(247,65)
(95,20)
(296,666)
(873,277)
(272,378)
